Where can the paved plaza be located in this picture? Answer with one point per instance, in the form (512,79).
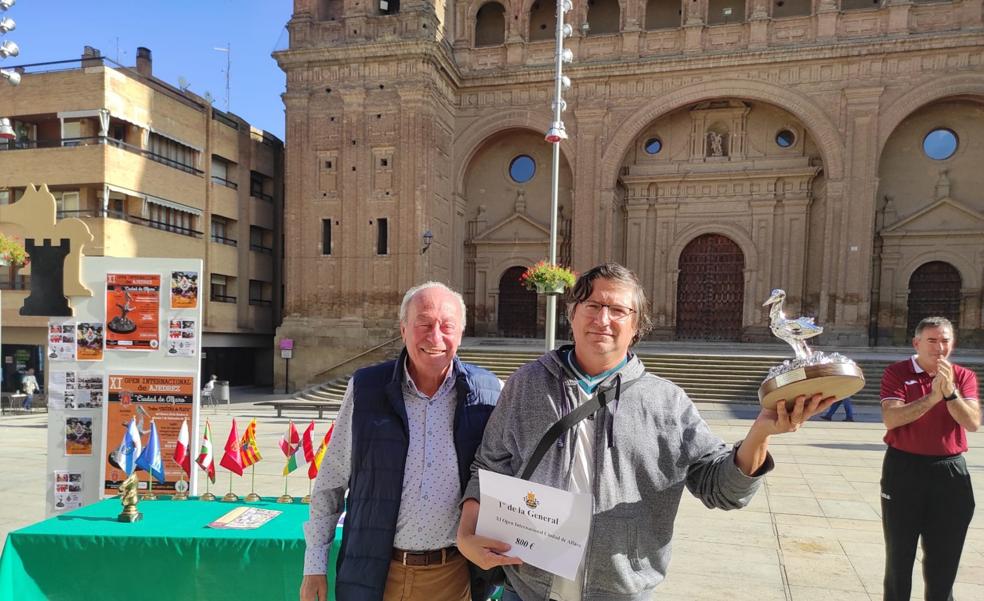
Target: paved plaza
(812,533)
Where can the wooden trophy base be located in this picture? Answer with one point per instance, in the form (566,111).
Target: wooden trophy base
(838,380)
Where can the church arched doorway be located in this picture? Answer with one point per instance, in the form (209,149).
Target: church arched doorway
(934,290)
(710,289)
(517,306)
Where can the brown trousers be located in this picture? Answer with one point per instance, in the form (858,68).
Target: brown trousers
(448,582)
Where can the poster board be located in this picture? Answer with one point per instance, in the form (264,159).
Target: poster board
(129,350)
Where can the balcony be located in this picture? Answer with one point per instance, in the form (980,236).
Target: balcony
(261,213)
(261,267)
(221,314)
(224,258)
(225,202)
(260,316)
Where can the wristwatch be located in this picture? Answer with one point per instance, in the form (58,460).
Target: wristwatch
(951,397)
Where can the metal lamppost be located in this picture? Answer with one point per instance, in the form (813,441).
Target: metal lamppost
(555,135)
(7,48)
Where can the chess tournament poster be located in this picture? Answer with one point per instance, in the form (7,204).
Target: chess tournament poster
(166,399)
(61,341)
(68,490)
(78,436)
(89,341)
(133,312)
(184,289)
(181,339)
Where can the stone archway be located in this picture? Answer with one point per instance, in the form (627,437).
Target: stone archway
(517,306)
(710,289)
(934,290)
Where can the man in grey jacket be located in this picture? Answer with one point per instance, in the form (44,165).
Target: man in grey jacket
(634,456)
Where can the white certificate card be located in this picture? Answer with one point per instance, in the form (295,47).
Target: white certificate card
(547,527)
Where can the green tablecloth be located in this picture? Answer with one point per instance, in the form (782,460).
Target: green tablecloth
(171,555)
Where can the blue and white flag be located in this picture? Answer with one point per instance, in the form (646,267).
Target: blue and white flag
(151,460)
(125,456)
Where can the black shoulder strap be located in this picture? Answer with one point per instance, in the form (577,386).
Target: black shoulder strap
(559,427)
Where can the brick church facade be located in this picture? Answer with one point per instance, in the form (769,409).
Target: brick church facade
(719,148)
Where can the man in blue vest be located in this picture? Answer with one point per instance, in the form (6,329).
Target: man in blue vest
(402,447)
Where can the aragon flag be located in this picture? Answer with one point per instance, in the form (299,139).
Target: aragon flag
(320,455)
(250,453)
(205,459)
(232,459)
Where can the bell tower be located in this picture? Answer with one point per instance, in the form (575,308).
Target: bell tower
(370,116)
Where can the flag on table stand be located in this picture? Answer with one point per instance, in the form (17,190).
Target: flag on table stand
(125,456)
(151,460)
(308,443)
(206,461)
(320,455)
(290,442)
(232,460)
(183,458)
(249,456)
(299,456)
(315,457)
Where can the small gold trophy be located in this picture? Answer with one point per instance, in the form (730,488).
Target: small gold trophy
(810,372)
(180,490)
(129,499)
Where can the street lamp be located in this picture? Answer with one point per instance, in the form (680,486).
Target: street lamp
(6,131)
(8,48)
(555,135)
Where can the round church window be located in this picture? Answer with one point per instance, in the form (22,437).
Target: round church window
(653,146)
(940,144)
(785,138)
(522,168)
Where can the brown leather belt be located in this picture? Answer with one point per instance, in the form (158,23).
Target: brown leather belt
(424,558)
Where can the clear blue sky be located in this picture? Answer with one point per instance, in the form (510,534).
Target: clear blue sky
(180,33)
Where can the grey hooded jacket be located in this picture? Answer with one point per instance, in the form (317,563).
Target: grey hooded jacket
(649,443)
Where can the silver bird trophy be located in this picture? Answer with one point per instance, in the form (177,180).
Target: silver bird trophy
(810,372)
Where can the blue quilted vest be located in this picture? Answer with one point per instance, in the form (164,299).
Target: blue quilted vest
(380,441)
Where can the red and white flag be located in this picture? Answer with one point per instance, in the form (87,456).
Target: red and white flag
(205,459)
(307,443)
(181,455)
(290,440)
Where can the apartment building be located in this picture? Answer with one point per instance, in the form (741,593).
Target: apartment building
(154,170)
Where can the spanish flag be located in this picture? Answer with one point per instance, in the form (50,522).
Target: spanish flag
(320,455)
(248,451)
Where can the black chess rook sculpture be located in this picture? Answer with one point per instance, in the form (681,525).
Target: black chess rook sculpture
(47,296)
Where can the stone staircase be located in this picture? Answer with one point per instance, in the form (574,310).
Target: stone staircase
(705,377)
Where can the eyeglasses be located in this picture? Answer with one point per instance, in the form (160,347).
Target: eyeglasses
(615,312)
